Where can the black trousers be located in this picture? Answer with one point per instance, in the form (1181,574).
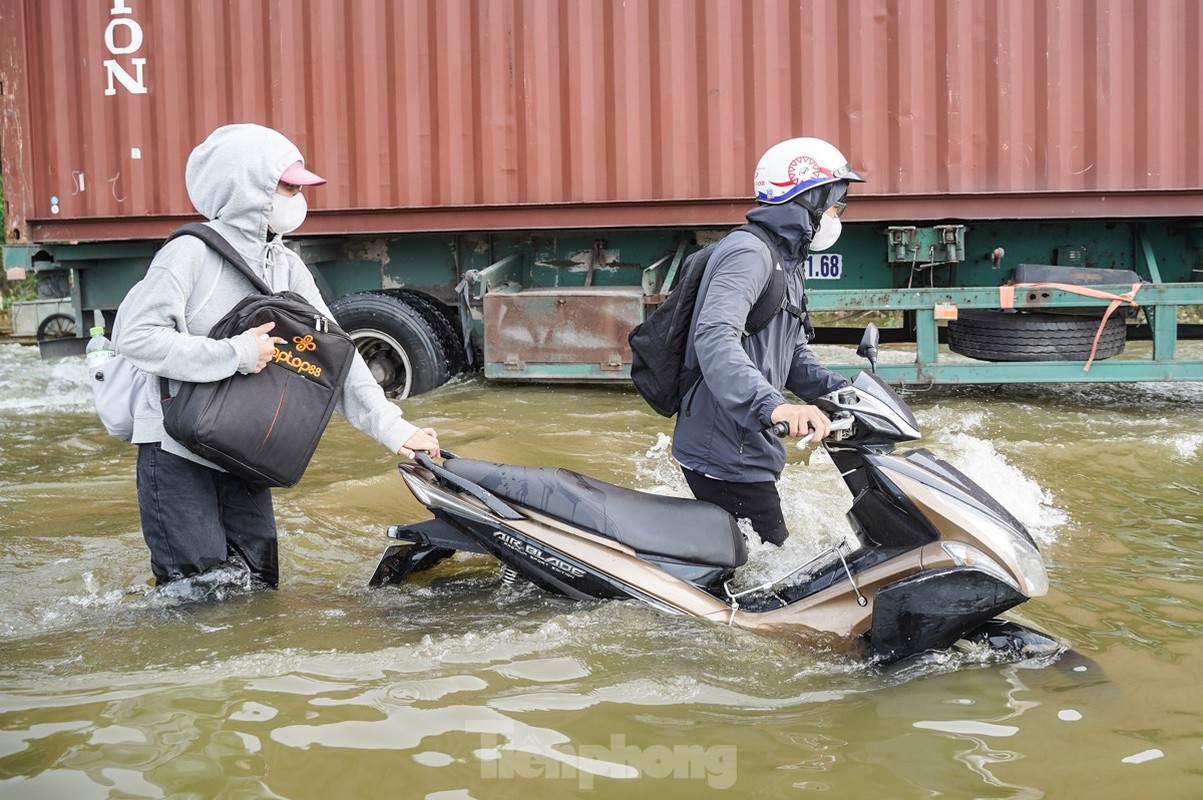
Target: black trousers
(758,502)
(195,518)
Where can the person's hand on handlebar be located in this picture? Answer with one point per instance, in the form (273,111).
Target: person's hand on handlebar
(425,440)
(803,420)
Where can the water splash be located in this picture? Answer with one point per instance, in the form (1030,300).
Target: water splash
(657,471)
(815,500)
(231,579)
(96,596)
(34,387)
(813,506)
(1030,503)
(1188,446)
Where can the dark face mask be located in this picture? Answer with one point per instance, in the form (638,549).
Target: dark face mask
(818,200)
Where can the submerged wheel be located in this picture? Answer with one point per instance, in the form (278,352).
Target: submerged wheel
(56,326)
(991,335)
(401,349)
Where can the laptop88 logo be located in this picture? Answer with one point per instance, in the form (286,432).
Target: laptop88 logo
(303,344)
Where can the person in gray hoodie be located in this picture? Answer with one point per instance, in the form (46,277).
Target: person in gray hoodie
(721,439)
(247,180)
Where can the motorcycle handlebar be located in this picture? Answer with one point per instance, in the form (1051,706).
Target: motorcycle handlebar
(842,421)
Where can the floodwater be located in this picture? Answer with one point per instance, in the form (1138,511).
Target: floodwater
(457,686)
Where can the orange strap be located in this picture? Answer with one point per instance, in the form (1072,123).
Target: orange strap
(1006,299)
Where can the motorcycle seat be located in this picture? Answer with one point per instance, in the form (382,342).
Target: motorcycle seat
(673,527)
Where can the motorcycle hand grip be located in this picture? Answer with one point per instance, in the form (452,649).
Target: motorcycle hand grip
(781,430)
(839,422)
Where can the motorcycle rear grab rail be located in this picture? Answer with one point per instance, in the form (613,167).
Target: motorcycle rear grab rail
(492,501)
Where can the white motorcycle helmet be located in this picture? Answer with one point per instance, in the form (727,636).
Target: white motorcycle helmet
(789,168)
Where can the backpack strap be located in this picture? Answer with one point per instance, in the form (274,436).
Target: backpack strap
(217,242)
(773,300)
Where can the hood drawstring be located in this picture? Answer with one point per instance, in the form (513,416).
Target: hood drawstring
(274,254)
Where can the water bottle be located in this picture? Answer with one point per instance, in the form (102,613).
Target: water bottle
(99,349)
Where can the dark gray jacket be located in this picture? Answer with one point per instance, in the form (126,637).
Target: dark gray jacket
(720,426)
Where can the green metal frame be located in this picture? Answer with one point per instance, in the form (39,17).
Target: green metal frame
(1161,302)
(905,270)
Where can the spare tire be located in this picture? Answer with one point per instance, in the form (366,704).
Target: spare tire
(992,335)
(401,349)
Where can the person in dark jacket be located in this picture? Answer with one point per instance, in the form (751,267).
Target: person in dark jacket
(721,438)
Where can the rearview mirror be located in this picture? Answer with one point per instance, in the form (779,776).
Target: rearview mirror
(868,345)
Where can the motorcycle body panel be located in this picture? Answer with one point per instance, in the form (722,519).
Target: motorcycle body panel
(932,610)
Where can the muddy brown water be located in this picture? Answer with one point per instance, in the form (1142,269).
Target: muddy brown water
(456,686)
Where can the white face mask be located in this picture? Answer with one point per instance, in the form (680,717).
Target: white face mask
(829,230)
(287,213)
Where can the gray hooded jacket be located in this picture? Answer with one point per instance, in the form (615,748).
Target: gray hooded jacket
(720,427)
(163,322)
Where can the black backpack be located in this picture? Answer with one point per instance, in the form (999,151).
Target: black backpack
(658,343)
(263,427)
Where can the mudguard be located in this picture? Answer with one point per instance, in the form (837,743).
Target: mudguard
(426,544)
(1014,640)
(401,560)
(932,610)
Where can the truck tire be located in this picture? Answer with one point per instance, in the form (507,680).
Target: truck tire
(441,322)
(990,335)
(401,349)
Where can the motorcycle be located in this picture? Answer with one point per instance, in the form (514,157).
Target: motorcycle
(936,558)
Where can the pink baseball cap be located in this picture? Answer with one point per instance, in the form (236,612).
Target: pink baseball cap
(297,175)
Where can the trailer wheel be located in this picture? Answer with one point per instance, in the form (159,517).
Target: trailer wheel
(56,326)
(401,349)
(441,322)
(990,335)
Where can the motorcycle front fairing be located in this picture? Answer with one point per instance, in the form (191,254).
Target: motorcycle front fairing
(962,557)
(933,609)
(973,528)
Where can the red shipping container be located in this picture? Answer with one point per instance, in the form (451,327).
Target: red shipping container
(528,114)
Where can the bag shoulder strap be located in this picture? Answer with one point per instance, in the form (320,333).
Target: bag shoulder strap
(217,242)
(772,301)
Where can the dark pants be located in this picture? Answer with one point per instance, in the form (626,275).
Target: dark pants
(758,502)
(195,518)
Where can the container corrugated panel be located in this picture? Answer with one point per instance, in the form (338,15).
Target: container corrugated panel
(488,114)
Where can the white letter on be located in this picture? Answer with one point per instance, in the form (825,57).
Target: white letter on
(135,37)
(115,70)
